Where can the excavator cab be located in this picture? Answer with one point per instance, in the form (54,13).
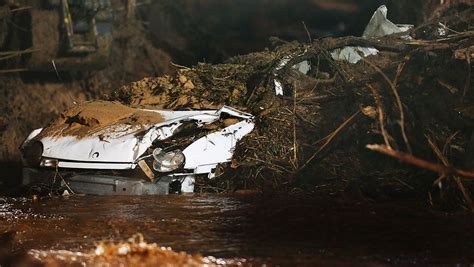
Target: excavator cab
(81,21)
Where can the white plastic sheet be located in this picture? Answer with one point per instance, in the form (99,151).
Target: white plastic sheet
(378,26)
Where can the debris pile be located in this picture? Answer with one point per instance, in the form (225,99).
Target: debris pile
(315,115)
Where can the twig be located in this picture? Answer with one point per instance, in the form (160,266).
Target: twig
(464,192)
(20,9)
(307,32)
(448,141)
(307,121)
(62,178)
(180,66)
(13,70)
(317,75)
(397,98)
(447,28)
(405,184)
(271,165)
(437,151)
(323,51)
(421,163)
(329,138)
(444,160)
(441,156)
(295,145)
(451,89)
(378,102)
(10,54)
(56,70)
(468,79)
(387,44)
(394,43)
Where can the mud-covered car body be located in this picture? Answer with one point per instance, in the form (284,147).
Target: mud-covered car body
(106,148)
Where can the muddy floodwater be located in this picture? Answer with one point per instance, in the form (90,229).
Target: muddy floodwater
(252,229)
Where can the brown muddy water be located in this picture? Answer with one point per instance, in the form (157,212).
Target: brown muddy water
(249,230)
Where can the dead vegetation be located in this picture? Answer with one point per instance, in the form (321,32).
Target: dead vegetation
(414,94)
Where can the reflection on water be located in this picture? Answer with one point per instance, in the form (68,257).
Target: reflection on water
(258,229)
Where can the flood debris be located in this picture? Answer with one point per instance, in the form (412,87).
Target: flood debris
(314,115)
(378,26)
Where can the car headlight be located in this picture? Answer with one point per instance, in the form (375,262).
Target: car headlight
(32,153)
(167,161)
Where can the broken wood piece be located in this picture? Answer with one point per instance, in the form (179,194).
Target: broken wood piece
(147,170)
(461,54)
(421,163)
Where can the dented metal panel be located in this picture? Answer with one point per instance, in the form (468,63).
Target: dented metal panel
(215,148)
(120,147)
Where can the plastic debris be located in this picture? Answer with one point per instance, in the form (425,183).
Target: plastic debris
(378,26)
(303,67)
(353,54)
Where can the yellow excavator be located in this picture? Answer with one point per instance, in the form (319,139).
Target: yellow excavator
(54,35)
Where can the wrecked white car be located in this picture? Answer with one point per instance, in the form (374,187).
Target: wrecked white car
(106,148)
